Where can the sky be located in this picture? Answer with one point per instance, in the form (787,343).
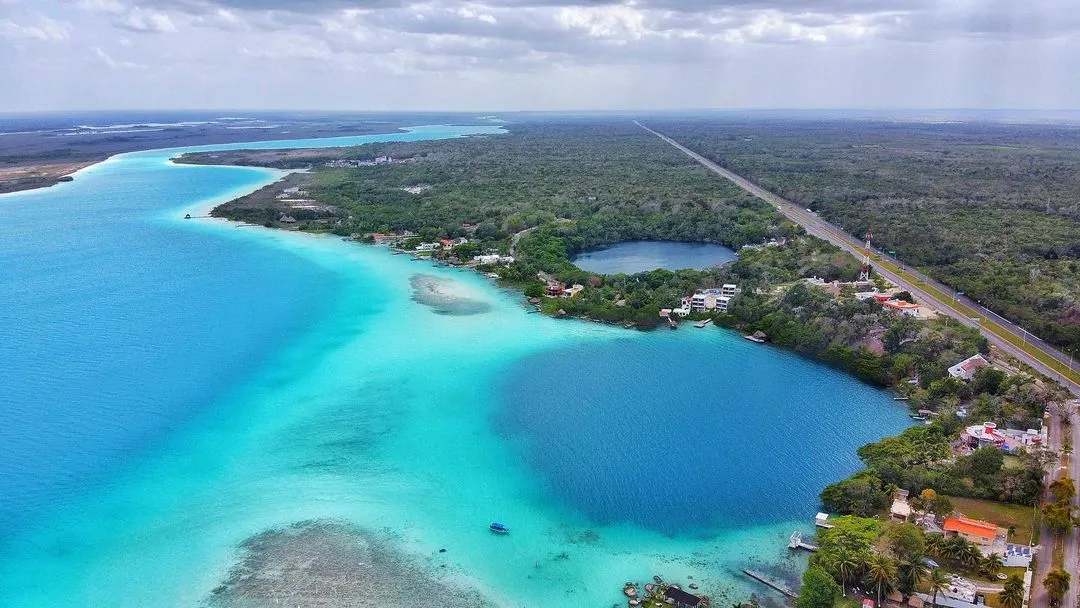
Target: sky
(538,54)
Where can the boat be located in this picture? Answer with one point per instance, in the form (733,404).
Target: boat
(498,528)
(914,417)
(187,216)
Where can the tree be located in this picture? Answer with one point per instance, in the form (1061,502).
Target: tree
(990,565)
(939,581)
(858,495)
(818,590)
(909,573)
(880,574)
(935,545)
(1058,517)
(1063,489)
(1056,583)
(1013,595)
(907,541)
(984,462)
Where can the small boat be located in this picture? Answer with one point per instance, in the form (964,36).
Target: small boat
(498,528)
(914,417)
(187,216)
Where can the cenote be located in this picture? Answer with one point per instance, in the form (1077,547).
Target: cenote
(641,256)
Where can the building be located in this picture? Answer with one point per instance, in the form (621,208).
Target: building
(980,532)
(493,258)
(722,303)
(900,510)
(427,246)
(904,308)
(965,370)
(572,291)
(729,291)
(554,289)
(988,434)
(682,598)
(718,299)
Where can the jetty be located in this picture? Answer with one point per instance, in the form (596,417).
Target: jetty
(777,585)
(797,542)
(757,336)
(701,324)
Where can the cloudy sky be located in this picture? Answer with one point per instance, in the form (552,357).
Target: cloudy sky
(538,54)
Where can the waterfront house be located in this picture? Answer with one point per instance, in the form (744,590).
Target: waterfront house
(982,533)
(427,246)
(683,599)
(729,290)
(988,434)
(446,243)
(965,370)
(554,289)
(572,291)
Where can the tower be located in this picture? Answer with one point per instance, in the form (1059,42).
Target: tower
(864,273)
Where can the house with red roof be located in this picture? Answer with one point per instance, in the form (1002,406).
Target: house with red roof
(965,370)
(980,532)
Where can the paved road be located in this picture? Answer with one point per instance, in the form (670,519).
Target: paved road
(1072,541)
(911,280)
(1046,538)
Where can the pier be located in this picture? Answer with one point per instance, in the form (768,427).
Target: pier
(798,543)
(701,324)
(777,585)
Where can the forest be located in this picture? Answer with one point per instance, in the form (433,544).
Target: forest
(990,209)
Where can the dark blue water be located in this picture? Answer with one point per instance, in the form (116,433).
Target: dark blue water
(641,256)
(700,428)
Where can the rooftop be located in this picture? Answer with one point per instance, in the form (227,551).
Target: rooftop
(973,527)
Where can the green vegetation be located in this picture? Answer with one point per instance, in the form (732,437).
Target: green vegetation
(1056,584)
(989,209)
(818,590)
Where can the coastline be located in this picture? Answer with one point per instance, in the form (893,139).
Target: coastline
(623,551)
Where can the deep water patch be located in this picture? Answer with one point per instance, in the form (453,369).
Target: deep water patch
(689,431)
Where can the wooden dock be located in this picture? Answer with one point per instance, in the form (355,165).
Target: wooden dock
(798,543)
(701,324)
(777,585)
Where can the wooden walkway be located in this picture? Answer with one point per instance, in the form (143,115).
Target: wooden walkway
(778,586)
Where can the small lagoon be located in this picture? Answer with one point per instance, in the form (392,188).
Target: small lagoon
(632,257)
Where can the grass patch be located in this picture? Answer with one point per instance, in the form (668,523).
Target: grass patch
(1058,559)
(1019,517)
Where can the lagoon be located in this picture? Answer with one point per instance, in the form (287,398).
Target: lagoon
(632,257)
(185,397)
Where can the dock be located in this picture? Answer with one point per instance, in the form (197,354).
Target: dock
(797,542)
(701,324)
(778,586)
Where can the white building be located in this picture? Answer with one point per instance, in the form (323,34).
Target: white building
(965,370)
(494,258)
(712,299)
(427,246)
(729,291)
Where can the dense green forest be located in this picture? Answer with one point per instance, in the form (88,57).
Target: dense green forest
(991,209)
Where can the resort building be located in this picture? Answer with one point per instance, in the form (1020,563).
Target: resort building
(554,289)
(572,291)
(965,370)
(493,258)
(982,533)
(988,435)
(427,246)
(712,299)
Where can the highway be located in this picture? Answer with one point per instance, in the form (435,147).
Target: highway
(998,330)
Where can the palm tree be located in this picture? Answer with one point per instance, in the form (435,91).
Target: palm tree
(939,581)
(910,573)
(1056,583)
(846,563)
(880,573)
(1013,595)
(935,544)
(968,553)
(991,565)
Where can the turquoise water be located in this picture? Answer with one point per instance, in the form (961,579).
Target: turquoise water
(641,256)
(173,387)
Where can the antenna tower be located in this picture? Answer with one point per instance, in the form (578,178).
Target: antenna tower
(864,273)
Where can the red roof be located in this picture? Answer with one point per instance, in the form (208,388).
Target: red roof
(972,527)
(868,603)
